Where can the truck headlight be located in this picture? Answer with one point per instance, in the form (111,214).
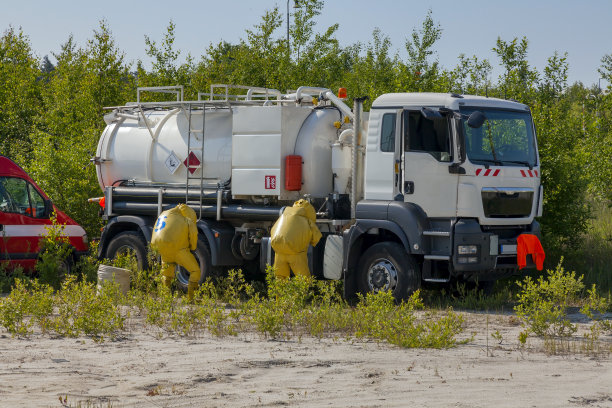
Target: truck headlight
(467,249)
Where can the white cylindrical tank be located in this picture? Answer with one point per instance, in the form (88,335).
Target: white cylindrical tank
(130,150)
(314,145)
(154,151)
(341,167)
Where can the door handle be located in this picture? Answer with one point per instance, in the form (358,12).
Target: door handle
(408,187)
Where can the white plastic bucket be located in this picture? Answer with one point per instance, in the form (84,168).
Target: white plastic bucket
(108,273)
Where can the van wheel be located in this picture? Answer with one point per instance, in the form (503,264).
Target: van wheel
(202,255)
(64,268)
(128,242)
(387,267)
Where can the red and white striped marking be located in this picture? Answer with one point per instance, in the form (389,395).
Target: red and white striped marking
(529,173)
(488,172)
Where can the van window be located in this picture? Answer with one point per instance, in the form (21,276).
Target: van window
(427,135)
(387,134)
(19,196)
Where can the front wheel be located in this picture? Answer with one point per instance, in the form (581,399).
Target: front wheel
(387,267)
(128,242)
(202,255)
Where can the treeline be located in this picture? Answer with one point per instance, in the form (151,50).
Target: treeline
(51,116)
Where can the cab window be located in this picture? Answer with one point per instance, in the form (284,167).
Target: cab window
(19,196)
(427,135)
(387,134)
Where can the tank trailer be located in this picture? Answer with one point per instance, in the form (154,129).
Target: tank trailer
(424,188)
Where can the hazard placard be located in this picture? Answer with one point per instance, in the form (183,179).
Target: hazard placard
(270,183)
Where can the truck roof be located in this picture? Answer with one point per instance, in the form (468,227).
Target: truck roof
(452,101)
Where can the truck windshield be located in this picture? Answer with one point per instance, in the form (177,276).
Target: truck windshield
(505,138)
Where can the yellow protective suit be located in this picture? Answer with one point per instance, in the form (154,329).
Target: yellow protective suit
(175,235)
(291,234)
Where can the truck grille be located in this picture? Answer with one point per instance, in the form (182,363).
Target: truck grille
(507,202)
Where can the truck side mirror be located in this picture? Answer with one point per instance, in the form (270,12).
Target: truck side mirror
(48,208)
(476,119)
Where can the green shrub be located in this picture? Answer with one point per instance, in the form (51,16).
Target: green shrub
(55,258)
(378,317)
(83,311)
(86,267)
(8,276)
(542,304)
(42,301)
(14,310)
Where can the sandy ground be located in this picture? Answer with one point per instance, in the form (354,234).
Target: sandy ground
(141,370)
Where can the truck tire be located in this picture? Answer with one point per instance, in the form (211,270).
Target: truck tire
(387,266)
(128,241)
(202,255)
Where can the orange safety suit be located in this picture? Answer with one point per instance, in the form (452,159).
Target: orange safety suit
(175,235)
(292,233)
(529,244)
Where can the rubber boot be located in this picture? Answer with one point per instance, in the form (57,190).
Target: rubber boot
(191,288)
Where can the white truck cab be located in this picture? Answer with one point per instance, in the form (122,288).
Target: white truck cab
(473,189)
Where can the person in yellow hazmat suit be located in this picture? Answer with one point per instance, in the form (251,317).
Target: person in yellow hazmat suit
(175,235)
(291,234)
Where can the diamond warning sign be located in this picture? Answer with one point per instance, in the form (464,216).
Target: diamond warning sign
(192,162)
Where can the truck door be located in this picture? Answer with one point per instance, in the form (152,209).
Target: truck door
(427,155)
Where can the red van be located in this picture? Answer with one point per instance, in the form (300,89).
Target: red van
(25,212)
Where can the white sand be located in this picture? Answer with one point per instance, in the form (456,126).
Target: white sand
(143,371)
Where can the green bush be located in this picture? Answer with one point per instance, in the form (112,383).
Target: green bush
(55,258)
(378,317)
(8,276)
(14,310)
(542,303)
(81,310)
(542,306)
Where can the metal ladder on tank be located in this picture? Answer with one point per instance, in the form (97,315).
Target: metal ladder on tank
(190,134)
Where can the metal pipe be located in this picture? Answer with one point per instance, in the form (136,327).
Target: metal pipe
(108,201)
(288,43)
(171,194)
(330,96)
(160,199)
(232,211)
(357,107)
(219,193)
(308,90)
(127,116)
(347,133)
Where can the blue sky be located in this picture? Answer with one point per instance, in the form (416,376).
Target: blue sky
(581,28)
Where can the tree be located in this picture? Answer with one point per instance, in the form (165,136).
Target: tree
(519,80)
(419,73)
(65,137)
(471,76)
(20,100)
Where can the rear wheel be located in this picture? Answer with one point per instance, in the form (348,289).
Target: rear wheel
(202,255)
(387,267)
(128,242)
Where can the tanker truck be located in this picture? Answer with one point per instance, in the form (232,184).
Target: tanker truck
(423,188)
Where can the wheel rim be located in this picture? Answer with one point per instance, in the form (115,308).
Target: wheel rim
(182,275)
(382,276)
(126,250)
